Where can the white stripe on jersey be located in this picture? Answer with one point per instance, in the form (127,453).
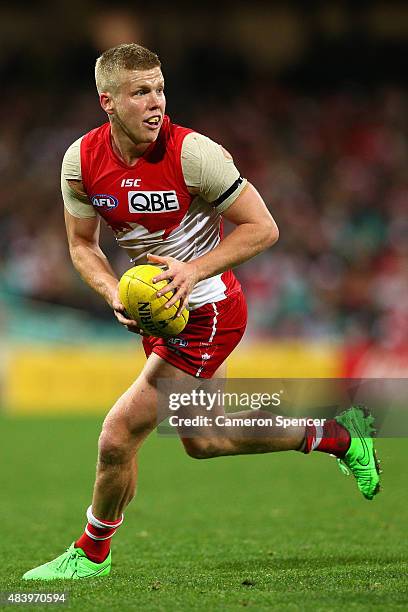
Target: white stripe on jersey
(197,234)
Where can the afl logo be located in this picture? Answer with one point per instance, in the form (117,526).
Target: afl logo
(105,201)
(177,341)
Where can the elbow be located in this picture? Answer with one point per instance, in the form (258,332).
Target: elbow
(271,234)
(274,234)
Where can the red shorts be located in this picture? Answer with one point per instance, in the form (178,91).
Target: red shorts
(211,334)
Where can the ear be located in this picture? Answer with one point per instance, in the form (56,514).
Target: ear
(106,101)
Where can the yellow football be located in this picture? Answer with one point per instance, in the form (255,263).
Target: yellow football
(137,293)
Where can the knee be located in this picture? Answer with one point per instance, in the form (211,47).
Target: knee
(120,440)
(202,448)
(113,449)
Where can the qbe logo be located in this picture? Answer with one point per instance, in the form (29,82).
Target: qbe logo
(102,200)
(152,201)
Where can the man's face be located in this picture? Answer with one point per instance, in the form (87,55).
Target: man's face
(138,104)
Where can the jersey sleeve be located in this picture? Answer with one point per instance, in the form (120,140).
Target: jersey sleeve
(208,168)
(77,205)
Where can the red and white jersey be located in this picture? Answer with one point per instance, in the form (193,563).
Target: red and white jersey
(148,205)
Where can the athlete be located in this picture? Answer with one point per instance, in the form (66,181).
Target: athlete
(163,189)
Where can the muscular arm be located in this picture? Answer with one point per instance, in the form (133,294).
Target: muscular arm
(86,254)
(90,261)
(255,231)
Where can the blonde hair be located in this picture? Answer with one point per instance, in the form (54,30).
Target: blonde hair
(123,57)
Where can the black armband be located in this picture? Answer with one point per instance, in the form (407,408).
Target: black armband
(227,193)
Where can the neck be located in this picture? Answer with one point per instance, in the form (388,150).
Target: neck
(124,146)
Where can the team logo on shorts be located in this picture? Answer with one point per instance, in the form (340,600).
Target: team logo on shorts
(177,341)
(103,200)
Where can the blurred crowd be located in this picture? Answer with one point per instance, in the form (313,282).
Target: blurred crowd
(333,171)
(332,167)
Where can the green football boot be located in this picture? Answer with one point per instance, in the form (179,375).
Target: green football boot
(71,565)
(360,459)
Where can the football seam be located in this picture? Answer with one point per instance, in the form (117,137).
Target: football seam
(150,285)
(157,329)
(127,299)
(144,282)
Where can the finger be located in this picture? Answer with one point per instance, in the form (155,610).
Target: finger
(125,321)
(172,286)
(118,307)
(136,330)
(133,327)
(183,305)
(157,259)
(117,302)
(163,276)
(179,295)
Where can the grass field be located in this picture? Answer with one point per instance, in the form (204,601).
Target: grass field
(269,532)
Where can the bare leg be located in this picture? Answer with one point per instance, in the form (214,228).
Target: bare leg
(134,416)
(233,440)
(125,428)
(243,440)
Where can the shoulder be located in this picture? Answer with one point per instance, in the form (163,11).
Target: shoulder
(74,155)
(71,162)
(199,149)
(202,157)
(75,199)
(209,170)
(195,144)
(88,140)
(95,140)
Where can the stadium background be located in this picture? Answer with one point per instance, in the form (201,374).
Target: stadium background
(312,103)
(311,99)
